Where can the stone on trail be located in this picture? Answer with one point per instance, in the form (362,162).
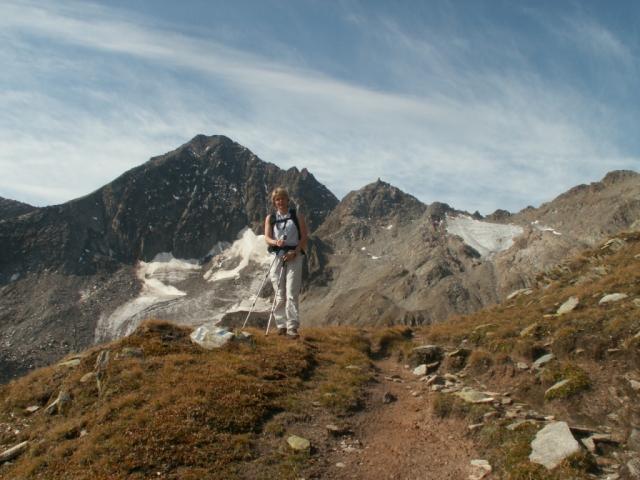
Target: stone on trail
(552,445)
(298,443)
(612,297)
(568,305)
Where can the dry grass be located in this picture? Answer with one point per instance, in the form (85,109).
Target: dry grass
(181,411)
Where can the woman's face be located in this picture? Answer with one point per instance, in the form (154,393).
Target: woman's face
(281,202)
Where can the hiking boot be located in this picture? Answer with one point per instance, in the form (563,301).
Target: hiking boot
(293,334)
(282,331)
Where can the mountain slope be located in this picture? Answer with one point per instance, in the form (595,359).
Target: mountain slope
(65,269)
(414,264)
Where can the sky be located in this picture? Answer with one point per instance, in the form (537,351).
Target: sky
(479,104)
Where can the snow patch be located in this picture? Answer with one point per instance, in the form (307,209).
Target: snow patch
(389,227)
(543,228)
(166,268)
(14,277)
(126,318)
(249,247)
(487,238)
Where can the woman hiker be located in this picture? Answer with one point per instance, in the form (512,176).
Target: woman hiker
(286,234)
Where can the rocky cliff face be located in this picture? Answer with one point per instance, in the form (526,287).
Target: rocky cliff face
(64,267)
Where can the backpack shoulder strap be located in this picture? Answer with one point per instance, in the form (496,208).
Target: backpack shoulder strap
(272,219)
(294,217)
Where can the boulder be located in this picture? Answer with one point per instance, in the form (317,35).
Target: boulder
(552,445)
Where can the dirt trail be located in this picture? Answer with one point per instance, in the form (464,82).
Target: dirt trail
(402,439)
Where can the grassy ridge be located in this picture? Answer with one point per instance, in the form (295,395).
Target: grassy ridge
(181,411)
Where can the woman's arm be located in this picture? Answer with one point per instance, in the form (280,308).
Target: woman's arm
(268,234)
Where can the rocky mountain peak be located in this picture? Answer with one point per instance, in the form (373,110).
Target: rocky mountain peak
(184,202)
(379,200)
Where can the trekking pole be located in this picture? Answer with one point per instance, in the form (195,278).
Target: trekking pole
(275,296)
(259,290)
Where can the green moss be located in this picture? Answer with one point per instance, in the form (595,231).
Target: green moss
(577,380)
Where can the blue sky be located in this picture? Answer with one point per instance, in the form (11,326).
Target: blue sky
(479,104)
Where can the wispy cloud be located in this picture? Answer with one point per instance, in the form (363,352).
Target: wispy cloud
(473,137)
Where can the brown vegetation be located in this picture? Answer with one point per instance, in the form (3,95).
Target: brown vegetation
(183,412)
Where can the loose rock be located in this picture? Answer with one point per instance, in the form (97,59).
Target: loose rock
(552,445)
(13,452)
(568,306)
(543,360)
(473,396)
(298,443)
(612,297)
(480,469)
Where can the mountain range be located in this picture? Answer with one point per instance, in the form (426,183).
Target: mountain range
(177,238)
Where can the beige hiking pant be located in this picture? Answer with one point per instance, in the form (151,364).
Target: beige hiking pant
(286,278)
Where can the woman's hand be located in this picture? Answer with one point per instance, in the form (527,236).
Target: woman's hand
(290,255)
(279,243)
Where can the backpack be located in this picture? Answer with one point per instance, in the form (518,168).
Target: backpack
(272,221)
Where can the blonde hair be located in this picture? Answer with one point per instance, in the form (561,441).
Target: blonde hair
(279,192)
